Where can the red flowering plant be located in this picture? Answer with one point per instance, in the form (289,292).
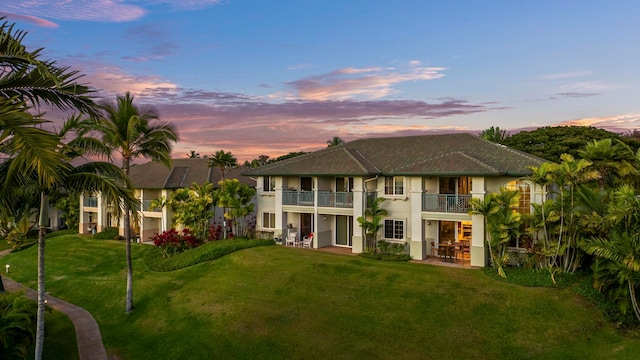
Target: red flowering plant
(171,241)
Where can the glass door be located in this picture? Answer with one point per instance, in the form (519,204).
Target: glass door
(344,230)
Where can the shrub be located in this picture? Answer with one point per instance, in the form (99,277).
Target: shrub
(18,325)
(110,233)
(171,242)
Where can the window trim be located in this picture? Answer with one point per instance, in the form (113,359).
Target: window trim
(272,184)
(394,186)
(269,214)
(395,221)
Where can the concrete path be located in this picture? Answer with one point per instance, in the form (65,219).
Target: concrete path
(90,346)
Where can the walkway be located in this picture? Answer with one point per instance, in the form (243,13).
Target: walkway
(90,346)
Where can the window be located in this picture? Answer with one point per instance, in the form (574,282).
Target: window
(394,185)
(268,220)
(268,184)
(394,229)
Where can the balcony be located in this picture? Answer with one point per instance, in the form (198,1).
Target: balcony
(300,198)
(90,201)
(335,199)
(448,203)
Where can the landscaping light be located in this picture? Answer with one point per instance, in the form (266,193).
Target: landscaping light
(7,268)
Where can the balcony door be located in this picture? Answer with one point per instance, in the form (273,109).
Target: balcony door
(344,230)
(306,224)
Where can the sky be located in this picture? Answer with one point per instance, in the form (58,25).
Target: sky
(272,77)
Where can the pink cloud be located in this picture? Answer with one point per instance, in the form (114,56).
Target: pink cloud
(348,83)
(30,19)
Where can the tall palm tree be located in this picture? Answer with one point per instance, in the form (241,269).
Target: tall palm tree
(134,132)
(611,160)
(34,158)
(223,160)
(371,223)
(335,141)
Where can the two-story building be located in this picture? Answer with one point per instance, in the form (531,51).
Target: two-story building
(427,182)
(153,181)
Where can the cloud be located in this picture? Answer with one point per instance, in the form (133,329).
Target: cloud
(566,75)
(30,19)
(98,10)
(617,123)
(585,87)
(152,40)
(368,83)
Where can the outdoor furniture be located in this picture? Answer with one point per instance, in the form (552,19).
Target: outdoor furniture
(447,251)
(458,250)
(292,239)
(434,250)
(307,241)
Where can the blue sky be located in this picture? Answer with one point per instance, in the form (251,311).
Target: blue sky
(270,77)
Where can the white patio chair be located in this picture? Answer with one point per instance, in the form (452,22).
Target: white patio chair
(292,239)
(307,241)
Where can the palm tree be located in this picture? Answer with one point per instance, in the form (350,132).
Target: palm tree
(610,159)
(223,160)
(133,132)
(34,158)
(371,223)
(494,134)
(335,141)
(193,155)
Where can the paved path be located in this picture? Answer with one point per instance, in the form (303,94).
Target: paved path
(90,346)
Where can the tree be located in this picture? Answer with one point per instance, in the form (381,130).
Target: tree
(552,141)
(223,160)
(193,155)
(371,223)
(335,141)
(494,134)
(35,158)
(134,132)
(193,207)
(502,223)
(612,160)
(236,197)
(617,266)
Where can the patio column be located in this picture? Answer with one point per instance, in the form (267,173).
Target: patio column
(417,248)
(359,199)
(477,251)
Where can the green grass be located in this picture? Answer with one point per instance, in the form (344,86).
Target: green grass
(276,302)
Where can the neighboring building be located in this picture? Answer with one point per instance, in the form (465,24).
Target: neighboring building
(152,181)
(427,181)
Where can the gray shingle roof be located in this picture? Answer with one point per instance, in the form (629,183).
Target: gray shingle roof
(449,154)
(183,172)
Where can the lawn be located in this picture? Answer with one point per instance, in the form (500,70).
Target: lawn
(275,302)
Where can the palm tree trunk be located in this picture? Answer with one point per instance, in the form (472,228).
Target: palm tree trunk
(44,203)
(127,241)
(634,300)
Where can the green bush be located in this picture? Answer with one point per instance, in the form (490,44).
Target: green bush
(209,251)
(110,233)
(532,277)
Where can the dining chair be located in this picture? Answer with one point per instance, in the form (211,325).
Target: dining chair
(434,250)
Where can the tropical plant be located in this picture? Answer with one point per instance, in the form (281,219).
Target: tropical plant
(37,160)
(236,197)
(133,132)
(223,160)
(193,155)
(17,325)
(193,207)
(371,223)
(335,141)
(171,242)
(69,205)
(494,134)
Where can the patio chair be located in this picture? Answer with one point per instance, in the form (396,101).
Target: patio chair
(307,241)
(458,250)
(292,239)
(434,250)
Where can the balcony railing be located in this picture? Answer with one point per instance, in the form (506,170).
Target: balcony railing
(448,203)
(335,199)
(294,197)
(146,206)
(90,201)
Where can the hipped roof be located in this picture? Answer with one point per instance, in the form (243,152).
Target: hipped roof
(435,155)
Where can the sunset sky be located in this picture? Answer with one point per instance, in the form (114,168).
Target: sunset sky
(272,77)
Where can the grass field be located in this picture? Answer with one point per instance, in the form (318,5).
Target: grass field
(276,302)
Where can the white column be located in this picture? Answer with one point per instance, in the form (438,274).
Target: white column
(477,251)
(359,198)
(416,238)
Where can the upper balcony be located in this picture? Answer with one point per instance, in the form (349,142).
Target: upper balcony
(447,203)
(325,198)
